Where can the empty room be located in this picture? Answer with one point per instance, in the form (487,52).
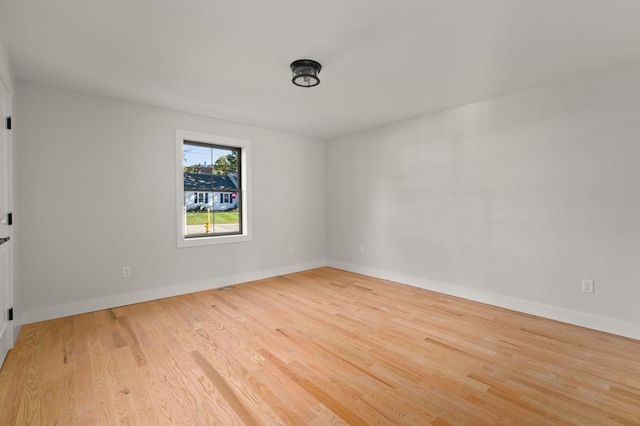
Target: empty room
(319,212)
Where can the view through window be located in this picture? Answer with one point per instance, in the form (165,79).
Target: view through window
(212,182)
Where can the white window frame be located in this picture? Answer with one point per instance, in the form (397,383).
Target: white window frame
(244,192)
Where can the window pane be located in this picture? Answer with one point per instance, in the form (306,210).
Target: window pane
(208,169)
(227,221)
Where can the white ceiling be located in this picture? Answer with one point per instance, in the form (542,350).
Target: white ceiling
(383,61)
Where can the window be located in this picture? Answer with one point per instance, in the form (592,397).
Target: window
(212,174)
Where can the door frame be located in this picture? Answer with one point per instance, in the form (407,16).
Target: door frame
(10,331)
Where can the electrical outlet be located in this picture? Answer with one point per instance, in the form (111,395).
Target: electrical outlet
(290,249)
(361,250)
(588,286)
(126,271)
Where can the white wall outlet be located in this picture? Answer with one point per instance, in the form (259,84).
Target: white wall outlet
(361,250)
(290,249)
(588,286)
(126,271)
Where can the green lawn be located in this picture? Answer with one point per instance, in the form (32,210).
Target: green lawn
(200,218)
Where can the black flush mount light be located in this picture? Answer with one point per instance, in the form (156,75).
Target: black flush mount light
(305,72)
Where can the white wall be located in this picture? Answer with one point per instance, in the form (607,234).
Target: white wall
(510,201)
(95,190)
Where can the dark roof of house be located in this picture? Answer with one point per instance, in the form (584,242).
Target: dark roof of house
(207,182)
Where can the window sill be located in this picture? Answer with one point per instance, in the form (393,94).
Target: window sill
(219,239)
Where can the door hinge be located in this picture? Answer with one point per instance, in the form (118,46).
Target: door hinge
(9,218)
(9,123)
(10,314)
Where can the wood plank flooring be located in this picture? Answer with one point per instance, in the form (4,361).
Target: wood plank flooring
(320,347)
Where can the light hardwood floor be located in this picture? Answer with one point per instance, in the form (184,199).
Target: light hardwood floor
(321,347)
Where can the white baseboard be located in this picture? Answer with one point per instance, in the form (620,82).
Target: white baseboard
(91,305)
(609,325)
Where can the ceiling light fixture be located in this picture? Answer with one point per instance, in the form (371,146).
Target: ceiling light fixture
(305,72)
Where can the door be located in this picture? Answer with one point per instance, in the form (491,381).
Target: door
(6,272)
